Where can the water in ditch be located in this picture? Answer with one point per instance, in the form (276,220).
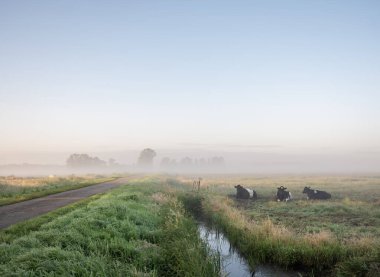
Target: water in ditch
(233,264)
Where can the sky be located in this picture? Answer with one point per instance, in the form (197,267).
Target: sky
(277,77)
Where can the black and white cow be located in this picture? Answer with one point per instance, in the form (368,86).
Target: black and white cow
(316,194)
(245,193)
(283,195)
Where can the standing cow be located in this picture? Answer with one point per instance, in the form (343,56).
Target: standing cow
(316,194)
(283,195)
(244,193)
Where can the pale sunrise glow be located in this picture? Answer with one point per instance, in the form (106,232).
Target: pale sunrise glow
(294,80)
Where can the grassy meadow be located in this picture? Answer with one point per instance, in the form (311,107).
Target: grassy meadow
(16,189)
(147,228)
(338,237)
(136,230)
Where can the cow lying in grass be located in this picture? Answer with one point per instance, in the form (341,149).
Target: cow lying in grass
(316,194)
(244,193)
(283,195)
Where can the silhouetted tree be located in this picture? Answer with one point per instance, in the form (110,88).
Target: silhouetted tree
(165,161)
(217,161)
(186,161)
(112,162)
(173,162)
(202,162)
(84,160)
(146,157)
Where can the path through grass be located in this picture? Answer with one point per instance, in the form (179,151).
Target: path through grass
(135,230)
(13,190)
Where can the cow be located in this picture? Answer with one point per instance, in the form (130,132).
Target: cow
(244,193)
(283,195)
(316,194)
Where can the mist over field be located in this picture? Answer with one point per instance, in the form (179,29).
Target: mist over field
(190,138)
(270,87)
(234,163)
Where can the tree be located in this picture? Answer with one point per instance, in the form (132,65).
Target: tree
(165,162)
(217,161)
(84,160)
(186,162)
(146,157)
(112,163)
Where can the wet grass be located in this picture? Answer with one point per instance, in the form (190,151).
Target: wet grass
(357,188)
(142,230)
(339,237)
(24,228)
(135,230)
(13,190)
(345,219)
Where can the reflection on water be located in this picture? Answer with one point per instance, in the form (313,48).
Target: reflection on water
(233,265)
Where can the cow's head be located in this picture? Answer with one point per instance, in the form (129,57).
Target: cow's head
(238,187)
(306,190)
(282,194)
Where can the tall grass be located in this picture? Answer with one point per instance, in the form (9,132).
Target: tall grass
(24,228)
(266,242)
(135,230)
(183,246)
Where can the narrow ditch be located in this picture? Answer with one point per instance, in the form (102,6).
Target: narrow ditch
(232,263)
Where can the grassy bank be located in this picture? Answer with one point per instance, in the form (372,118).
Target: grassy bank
(142,230)
(262,240)
(135,230)
(339,237)
(24,228)
(13,190)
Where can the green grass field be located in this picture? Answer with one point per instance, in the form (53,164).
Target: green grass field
(340,236)
(135,230)
(145,229)
(13,190)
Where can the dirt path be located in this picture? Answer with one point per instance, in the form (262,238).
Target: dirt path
(14,213)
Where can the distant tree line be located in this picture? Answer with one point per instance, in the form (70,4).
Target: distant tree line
(187,162)
(85,160)
(145,162)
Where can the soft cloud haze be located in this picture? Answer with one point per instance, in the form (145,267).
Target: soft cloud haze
(275,83)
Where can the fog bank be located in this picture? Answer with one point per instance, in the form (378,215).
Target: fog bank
(199,162)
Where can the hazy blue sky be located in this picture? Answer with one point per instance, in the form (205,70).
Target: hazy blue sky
(280,76)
